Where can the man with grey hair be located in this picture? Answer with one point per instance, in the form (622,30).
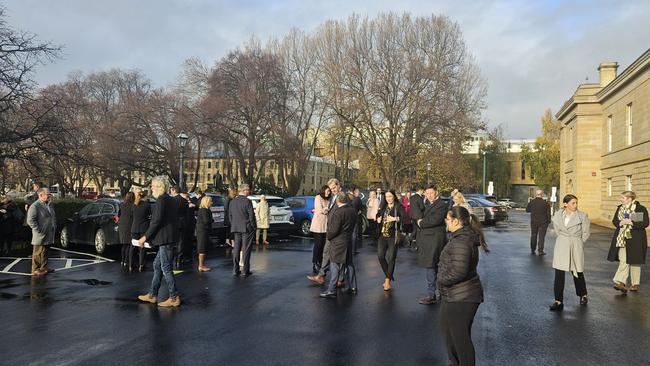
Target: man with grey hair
(243,226)
(540,217)
(335,188)
(340,227)
(42,219)
(163,233)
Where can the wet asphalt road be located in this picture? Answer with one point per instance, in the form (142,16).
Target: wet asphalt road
(90,316)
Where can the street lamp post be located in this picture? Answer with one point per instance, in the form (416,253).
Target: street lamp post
(428,173)
(484,171)
(182,141)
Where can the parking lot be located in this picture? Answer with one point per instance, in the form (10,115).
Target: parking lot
(89,315)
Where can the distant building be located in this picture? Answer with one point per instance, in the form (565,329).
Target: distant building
(605,140)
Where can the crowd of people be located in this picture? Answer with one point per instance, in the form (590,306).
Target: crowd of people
(447,238)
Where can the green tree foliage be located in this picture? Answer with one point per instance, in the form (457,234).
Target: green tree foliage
(543,158)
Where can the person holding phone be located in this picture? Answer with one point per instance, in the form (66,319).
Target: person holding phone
(630,243)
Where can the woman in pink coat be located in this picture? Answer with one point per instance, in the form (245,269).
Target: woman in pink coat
(319,226)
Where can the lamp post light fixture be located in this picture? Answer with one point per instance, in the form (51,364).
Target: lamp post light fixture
(182,141)
(428,173)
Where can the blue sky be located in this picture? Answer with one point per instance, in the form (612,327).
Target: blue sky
(532,53)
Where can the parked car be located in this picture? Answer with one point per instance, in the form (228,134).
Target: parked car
(477,209)
(88,194)
(508,203)
(302,208)
(482,196)
(95,224)
(281,219)
(493,211)
(218,216)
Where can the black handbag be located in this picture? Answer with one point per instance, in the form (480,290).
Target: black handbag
(400,236)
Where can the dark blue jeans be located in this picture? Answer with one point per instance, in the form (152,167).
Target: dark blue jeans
(162,266)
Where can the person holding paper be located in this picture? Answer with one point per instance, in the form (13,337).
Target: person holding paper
(163,233)
(630,242)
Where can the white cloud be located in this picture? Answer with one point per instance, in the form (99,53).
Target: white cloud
(533,54)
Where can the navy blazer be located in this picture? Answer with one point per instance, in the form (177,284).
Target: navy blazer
(241,215)
(163,228)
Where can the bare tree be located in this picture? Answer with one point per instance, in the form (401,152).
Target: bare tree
(405,85)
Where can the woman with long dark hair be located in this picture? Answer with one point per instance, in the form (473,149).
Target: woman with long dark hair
(318,227)
(390,217)
(459,283)
(124,224)
(141,217)
(572,229)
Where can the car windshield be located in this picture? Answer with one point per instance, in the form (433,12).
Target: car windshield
(217,201)
(485,202)
(276,202)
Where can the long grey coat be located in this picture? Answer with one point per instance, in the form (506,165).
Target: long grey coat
(568,254)
(42,219)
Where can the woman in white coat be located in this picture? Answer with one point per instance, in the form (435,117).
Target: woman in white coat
(572,229)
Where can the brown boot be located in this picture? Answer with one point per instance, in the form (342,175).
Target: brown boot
(202,267)
(317,279)
(620,286)
(634,288)
(148,298)
(170,302)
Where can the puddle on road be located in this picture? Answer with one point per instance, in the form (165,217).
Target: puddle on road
(92,282)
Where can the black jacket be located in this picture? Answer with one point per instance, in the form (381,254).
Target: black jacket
(417,206)
(141,217)
(396,211)
(540,211)
(226,212)
(340,226)
(183,207)
(125,222)
(433,234)
(458,279)
(241,215)
(636,247)
(163,228)
(204,219)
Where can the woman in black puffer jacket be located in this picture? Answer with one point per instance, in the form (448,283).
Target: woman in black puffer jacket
(459,284)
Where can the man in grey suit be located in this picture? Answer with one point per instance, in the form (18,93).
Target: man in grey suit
(42,219)
(243,226)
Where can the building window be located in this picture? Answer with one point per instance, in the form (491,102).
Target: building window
(629,123)
(628,182)
(609,133)
(209,165)
(523,170)
(609,187)
(209,177)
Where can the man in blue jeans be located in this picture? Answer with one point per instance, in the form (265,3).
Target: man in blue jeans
(163,233)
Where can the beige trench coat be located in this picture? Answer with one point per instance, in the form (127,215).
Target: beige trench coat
(319,221)
(262,215)
(568,254)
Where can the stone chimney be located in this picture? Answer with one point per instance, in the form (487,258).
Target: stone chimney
(607,71)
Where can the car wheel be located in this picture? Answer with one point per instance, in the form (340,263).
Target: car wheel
(65,240)
(305,225)
(100,241)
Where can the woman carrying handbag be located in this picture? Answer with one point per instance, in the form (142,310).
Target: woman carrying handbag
(389,218)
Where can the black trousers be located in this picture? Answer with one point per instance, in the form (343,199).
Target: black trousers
(387,253)
(373,231)
(317,251)
(537,236)
(579,282)
(243,242)
(142,252)
(456,324)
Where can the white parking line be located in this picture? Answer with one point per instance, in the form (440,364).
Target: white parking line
(68,263)
(88,254)
(10,265)
(301,237)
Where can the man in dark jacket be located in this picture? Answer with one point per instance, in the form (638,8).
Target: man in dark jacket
(417,209)
(182,215)
(431,239)
(243,226)
(163,233)
(340,227)
(540,217)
